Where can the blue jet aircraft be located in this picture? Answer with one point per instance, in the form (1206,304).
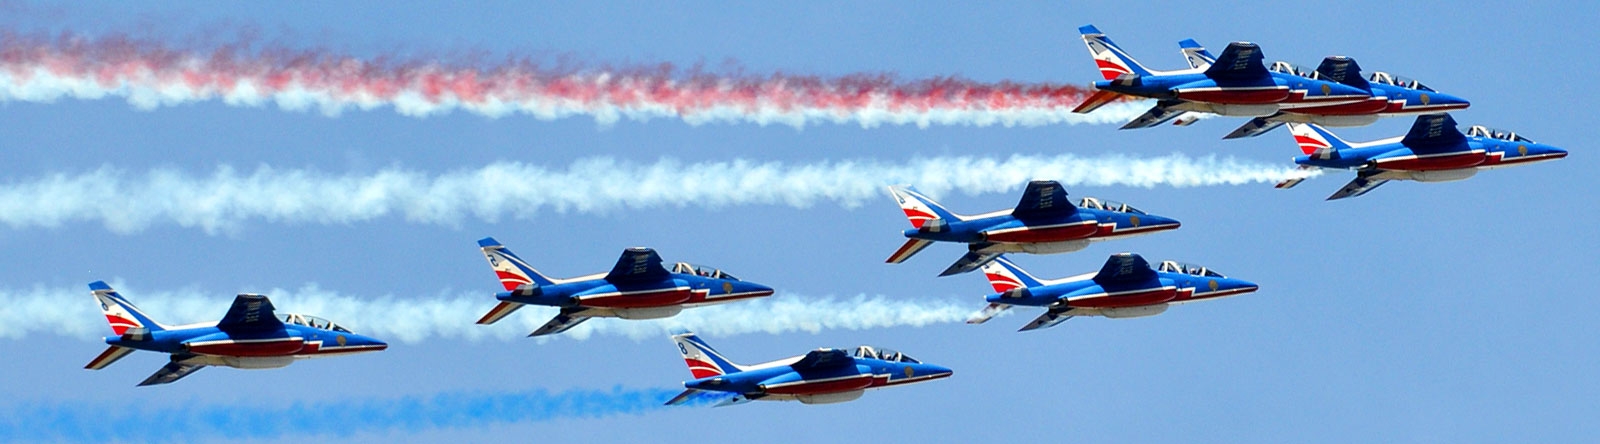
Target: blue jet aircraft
(822,376)
(1126,287)
(1433,151)
(1044,222)
(1391,95)
(638,287)
(249,336)
(1235,84)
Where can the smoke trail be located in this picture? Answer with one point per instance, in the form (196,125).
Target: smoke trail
(72,313)
(129,422)
(228,197)
(150,74)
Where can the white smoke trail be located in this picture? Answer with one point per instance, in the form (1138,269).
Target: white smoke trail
(73,313)
(125,202)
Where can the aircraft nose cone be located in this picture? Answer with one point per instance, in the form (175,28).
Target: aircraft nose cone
(761,289)
(939,371)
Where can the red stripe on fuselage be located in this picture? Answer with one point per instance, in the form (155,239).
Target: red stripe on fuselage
(1236,96)
(1434,162)
(1358,108)
(1109,229)
(1043,234)
(1149,297)
(844,384)
(649,298)
(272,347)
(699,296)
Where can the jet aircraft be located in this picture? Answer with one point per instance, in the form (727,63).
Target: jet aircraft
(822,376)
(1235,84)
(638,287)
(1434,150)
(1390,95)
(1126,287)
(1044,222)
(249,336)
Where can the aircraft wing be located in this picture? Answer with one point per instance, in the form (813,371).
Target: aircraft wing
(1343,70)
(1240,61)
(569,317)
(173,371)
(823,359)
(638,265)
(249,312)
(1359,186)
(1437,131)
(1044,198)
(1255,127)
(1125,267)
(1157,115)
(970,261)
(1049,319)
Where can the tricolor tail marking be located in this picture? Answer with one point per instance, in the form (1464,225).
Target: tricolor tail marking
(1112,61)
(919,209)
(1005,276)
(512,271)
(703,361)
(1313,139)
(120,314)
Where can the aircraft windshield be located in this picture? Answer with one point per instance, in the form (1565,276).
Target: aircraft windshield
(1299,70)
(1108,205)
(701,270)
(1400,81)
(883,354)
(312,321)
(1492,133)
(1189,269)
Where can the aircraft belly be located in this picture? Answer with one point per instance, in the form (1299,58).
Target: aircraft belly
(1237,95)
(1126,299)
(1454,161)
(820,386)
(248,347)
(638,299)
(1032,234)
(1365,108)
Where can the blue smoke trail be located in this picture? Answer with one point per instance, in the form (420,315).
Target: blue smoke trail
(85,423)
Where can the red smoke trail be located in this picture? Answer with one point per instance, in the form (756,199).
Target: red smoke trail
(150,74)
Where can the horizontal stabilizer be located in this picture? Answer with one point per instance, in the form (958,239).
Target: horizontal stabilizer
(1255,127)
(1159,114)
(1291,182)
(500,310)
(569,317)
(1095,101)
(910,248)
(1239,62)
(987,313)
(970,261)
(108,357)
(1049,319)
(170,373)
(682,397)
(1361,185)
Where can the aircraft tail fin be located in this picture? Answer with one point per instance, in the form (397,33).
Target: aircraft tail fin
(121,314)
(1110,58)
(512,270)
(703,360)
(920,209)
(1006,276)
(1197,56)
(1343,70)
(1317,141)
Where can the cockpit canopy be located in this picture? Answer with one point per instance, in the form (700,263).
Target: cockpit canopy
(1189,269)
(1108,205)
(702,271)
(312,321)
(1400,81)
(1492,133)
(1299,70)
(883,354)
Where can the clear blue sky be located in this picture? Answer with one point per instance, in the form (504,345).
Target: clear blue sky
(1420,312)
